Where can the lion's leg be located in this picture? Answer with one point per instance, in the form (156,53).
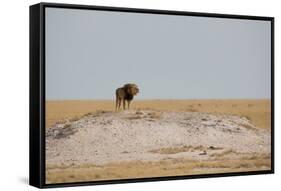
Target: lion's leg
(124,104)
(119,103)
(129,104)
(116,106)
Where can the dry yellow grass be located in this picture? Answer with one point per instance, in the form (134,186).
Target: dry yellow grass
(258,111)
(169,167)
(175,150)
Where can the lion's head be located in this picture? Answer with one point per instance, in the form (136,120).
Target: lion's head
(131,89)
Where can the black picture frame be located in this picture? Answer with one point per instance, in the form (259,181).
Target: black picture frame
(37,93)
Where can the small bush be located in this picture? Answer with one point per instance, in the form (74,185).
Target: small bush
(134,117)
(155,115)
(66,125)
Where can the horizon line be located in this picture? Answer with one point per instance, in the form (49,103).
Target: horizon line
(161,99)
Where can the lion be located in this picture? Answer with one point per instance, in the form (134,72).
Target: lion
(125,93)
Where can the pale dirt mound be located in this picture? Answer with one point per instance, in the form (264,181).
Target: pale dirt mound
(148,135)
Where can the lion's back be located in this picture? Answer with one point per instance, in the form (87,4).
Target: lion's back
(120,93)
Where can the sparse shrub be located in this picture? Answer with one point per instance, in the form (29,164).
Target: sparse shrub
(247,126)
(88,114)
(191,110)
(248,118)
(155,115)
(214,148)
(62,121)
(74,119)
(134,117)
(139,112)
(100,111)
(66,125)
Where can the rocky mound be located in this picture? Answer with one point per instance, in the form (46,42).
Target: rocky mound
(148,135)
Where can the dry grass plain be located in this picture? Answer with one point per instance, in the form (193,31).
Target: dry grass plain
(138,169)
(257,111)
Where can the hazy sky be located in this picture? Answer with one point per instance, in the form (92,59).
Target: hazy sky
(91,53)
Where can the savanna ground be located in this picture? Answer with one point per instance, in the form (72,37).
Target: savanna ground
(257,112)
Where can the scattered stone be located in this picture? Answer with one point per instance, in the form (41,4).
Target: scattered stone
(214,148)
(203,153)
